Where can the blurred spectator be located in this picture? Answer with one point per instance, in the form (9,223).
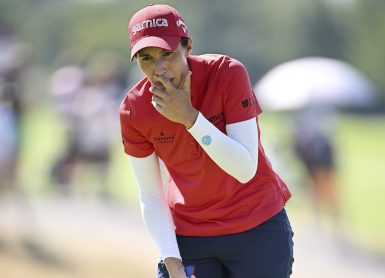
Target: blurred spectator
(14,67)
(14,61)
(314,147)
(65,84)
(88,100)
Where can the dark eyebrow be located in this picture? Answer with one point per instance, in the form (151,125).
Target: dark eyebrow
(140,54)
(143,54)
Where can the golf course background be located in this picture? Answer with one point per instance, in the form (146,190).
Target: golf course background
(359,142)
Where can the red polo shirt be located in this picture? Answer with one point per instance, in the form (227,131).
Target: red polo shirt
(204,200)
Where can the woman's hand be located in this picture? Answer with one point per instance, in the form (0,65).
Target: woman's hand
(175,268)
(175,103)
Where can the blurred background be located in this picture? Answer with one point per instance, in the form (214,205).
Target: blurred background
(68,201)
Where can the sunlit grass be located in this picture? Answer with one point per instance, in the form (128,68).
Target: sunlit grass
(361,142)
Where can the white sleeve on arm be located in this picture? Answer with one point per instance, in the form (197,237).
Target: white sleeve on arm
(236,153)
(155,211)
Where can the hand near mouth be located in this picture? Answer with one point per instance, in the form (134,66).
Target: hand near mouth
(174,103)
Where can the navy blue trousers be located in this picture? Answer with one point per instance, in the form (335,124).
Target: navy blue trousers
(265,251)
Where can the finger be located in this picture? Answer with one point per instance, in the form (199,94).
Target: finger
(158,101)
(157,107)
(156,91)
(167,84)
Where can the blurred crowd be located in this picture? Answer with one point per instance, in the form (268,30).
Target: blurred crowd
(14,61)
(86,98)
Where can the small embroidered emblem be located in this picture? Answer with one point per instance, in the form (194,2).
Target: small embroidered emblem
(206,140)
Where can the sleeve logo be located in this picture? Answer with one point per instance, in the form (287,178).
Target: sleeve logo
(247,102)
(206,140)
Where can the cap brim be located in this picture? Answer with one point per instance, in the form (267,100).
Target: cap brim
(165,42)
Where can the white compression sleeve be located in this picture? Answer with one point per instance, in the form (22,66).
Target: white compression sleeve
(236,153)
(155,211)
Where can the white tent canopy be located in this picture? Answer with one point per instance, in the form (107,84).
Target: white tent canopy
(314,81)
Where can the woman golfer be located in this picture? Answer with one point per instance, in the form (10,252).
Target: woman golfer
(222,211)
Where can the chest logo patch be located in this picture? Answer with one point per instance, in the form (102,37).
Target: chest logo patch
(164,138)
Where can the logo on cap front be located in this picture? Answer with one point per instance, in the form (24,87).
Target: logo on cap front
(149,23)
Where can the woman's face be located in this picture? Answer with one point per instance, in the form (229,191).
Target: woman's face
(157,62)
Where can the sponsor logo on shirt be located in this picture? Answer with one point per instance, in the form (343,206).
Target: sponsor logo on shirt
(217,119)
(163,138)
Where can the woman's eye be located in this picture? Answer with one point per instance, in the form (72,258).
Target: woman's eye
(146,58)
(167,53)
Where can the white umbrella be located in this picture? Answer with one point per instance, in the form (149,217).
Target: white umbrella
(314,81)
